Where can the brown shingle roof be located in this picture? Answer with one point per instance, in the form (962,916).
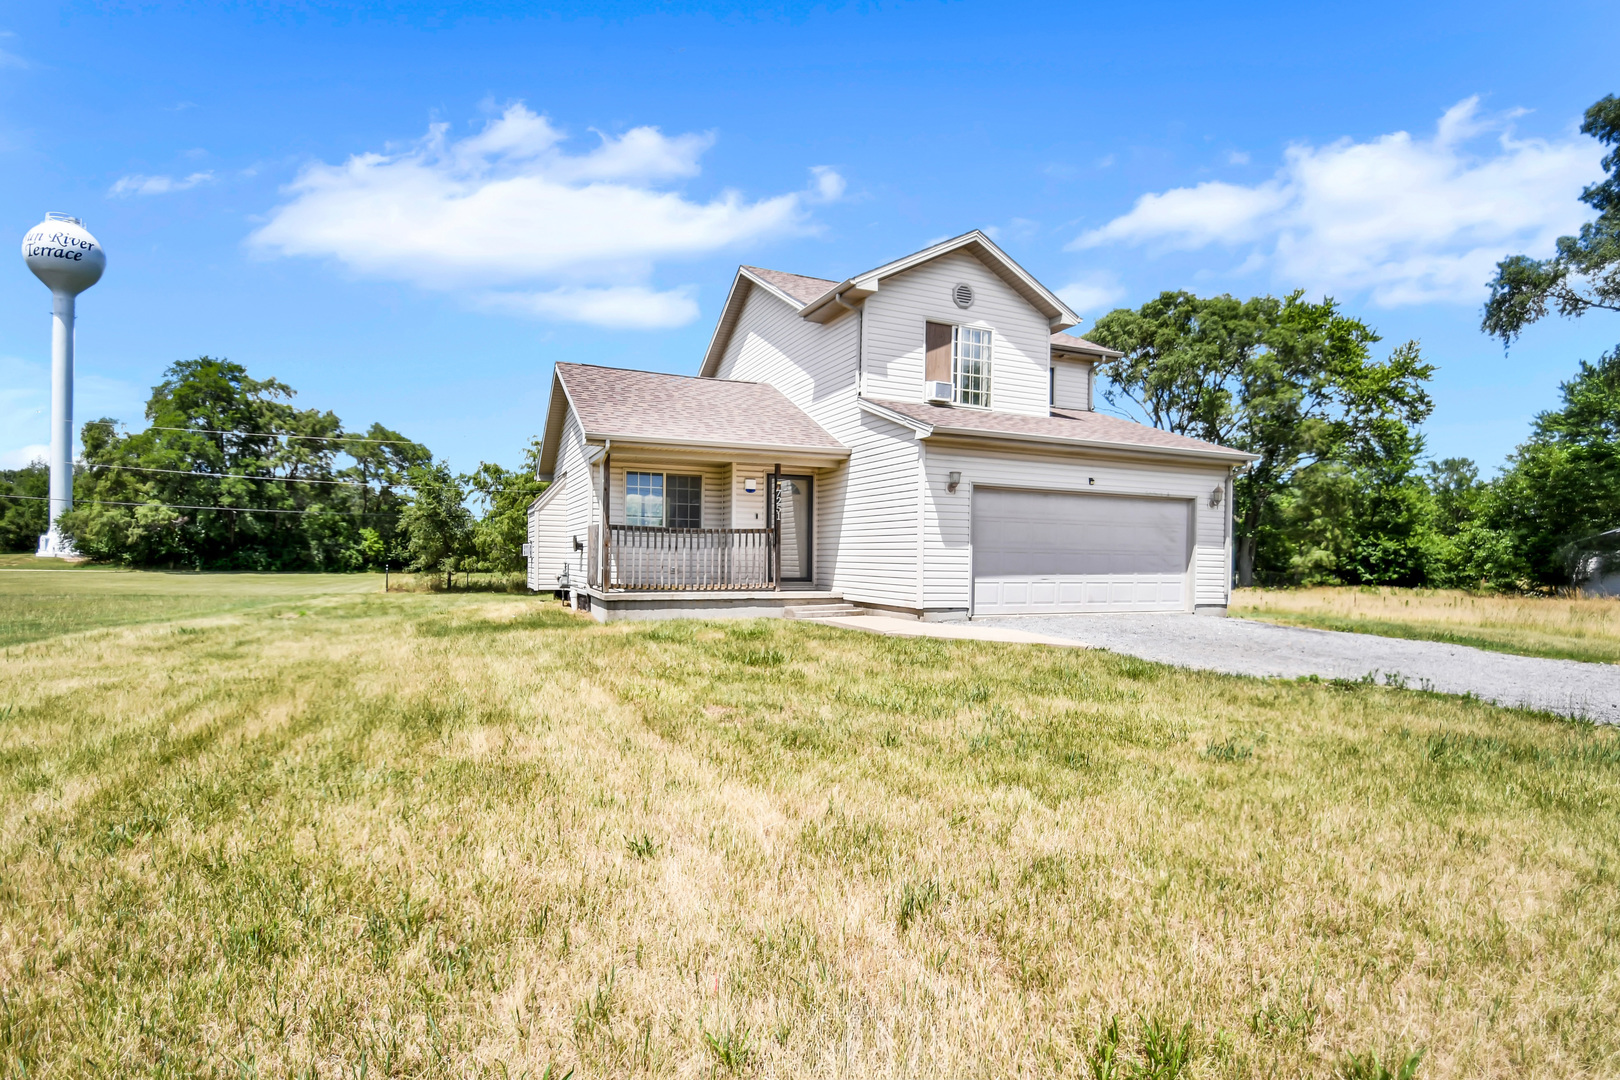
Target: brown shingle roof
(624,404)
(801,288)
(1070,343)
(1073,425)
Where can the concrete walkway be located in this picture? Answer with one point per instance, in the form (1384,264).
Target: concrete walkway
(1248,647)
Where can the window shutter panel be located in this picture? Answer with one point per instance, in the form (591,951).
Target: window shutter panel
(937,367)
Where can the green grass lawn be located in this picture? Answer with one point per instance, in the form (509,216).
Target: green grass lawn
(41,598)
(1556,627)
(331,833)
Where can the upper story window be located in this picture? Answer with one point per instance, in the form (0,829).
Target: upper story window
(662,499)
(970,366)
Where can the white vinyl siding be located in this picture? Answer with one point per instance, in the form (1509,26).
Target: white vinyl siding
(550,546)
(578,497)
(887,531)
(895,333)
(948,516)
(866,511)
(1071,384)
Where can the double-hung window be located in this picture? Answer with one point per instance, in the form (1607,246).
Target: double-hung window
(970,366)
(663,499)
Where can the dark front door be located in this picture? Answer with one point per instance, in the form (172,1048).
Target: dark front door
(791,505)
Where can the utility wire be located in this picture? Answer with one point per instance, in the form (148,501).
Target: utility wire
(223,476)
(265,434)
(187,506)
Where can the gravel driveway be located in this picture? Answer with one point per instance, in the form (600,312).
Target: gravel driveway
(1245,647)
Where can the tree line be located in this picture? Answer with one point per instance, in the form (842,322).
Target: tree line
(230,475)
(1341,491)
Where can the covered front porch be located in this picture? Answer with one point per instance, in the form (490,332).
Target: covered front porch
(680,530)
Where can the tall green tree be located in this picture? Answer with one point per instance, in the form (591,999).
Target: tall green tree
(231,475)
(1563,483)
(437,526)
(23,515)
(1289,380)
(1583,274)
(504,495)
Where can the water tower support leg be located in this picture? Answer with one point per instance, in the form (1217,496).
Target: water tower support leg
(52,545)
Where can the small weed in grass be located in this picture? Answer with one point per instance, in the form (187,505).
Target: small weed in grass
(595,1013)
(732,1047)
(1370,1066)
(915,902)
(756,656)
(642,847)
(1164,1052)
(1104,1061)
(1228,750)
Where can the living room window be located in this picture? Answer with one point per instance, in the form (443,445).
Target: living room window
(663,500)
(970,366)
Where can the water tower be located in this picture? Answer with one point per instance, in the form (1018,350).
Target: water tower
(62,254)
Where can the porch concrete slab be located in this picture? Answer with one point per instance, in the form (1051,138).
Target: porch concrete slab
(892,627)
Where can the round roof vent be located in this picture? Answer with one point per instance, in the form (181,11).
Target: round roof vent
(963,295)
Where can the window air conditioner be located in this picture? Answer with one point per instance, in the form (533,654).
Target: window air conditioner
(939,392)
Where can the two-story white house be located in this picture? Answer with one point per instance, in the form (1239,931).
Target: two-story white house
(918,439)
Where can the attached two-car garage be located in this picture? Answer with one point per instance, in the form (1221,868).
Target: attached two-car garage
(1047,551)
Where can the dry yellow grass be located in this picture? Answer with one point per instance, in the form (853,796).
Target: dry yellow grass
(1565,628)
(462,835)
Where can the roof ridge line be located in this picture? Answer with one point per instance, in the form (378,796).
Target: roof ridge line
(667,374)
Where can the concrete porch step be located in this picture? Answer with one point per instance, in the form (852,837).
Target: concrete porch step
(820,611)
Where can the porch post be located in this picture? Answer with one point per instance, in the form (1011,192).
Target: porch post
(776,527)
(607,531)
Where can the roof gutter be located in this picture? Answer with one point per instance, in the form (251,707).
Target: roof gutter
(1229,456)
(838,451)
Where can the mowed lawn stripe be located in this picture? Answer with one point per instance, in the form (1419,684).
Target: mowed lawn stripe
(452,835)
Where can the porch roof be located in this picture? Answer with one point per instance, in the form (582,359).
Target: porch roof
(651,408)
(1073,427)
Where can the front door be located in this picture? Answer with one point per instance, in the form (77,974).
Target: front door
(791,506)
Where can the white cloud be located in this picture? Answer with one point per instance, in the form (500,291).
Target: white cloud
(1237,157)
(1405,220)
(137,184)
(23,456)
(826,184)
(1093,293)
(1016,229)
(510,219)
(620,306)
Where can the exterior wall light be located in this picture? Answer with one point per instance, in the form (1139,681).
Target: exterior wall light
(1215,495)
(954,479)
(1091,480)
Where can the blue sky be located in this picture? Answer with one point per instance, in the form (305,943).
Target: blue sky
(409,213)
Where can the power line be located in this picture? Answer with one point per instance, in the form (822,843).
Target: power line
(188,506)
(224,476)
(264,434)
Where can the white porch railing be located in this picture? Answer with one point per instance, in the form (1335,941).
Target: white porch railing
(648,557)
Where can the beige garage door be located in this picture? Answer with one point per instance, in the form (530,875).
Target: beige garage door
(1041,551)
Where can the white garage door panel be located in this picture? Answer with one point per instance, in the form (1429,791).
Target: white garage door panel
(1037,551)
